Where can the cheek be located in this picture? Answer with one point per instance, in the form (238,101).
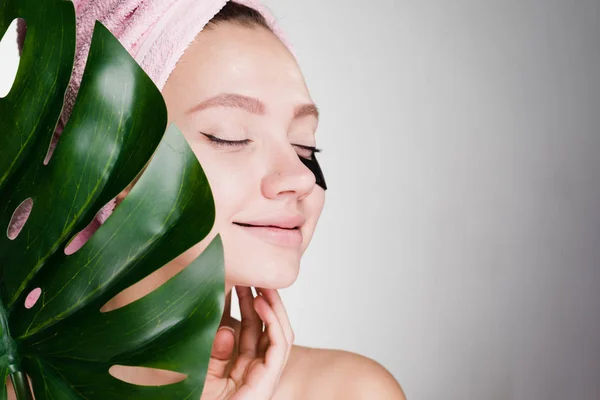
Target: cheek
(316,202)
(313,206)
(231,181)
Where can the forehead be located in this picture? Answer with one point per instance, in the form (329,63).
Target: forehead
(230,58)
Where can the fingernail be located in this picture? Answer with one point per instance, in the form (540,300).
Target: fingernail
(228,328)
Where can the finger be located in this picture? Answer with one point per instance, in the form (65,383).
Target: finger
(222,352)
(274,299)
(263,344)
(262,373)
(251,324)
(276,353)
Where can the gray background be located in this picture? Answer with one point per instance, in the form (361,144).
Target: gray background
(460,241)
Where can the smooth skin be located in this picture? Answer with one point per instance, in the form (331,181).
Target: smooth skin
(257,178)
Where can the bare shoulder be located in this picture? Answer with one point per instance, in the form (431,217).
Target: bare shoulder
(337,374)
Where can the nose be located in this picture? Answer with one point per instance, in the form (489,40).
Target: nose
(287,175)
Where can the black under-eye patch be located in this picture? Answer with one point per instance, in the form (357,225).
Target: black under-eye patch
(314,166)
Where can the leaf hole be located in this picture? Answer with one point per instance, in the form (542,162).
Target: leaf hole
(33,297)
(18,219)
(144,376)
(54,140)
(80,238)
(143,287)
(10,55)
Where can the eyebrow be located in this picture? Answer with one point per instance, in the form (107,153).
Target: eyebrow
(250,104)
(305,110)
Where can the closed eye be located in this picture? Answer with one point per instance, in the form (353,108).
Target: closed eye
(223,142)
(307,151)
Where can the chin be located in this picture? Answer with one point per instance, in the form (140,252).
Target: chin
(255,262)
(269,270)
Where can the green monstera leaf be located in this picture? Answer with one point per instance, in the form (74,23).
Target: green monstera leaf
(65,344)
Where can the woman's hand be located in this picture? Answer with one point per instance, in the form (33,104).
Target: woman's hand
(255,373)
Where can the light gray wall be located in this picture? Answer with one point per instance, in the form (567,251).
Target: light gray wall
(460,241)
(9,59)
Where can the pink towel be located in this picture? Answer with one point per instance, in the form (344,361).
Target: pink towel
(156,33)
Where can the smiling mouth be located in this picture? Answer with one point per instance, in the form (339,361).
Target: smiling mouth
(265,226)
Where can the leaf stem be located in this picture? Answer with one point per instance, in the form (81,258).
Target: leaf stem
(10,359)
(21,385)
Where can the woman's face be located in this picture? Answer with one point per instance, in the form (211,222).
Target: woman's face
(241,84)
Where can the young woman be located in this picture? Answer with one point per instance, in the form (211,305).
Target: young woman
(240,99)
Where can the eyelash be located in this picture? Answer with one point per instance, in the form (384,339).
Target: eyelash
(238,143)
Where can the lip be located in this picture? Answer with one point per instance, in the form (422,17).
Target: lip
(277,221)
(281,231)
